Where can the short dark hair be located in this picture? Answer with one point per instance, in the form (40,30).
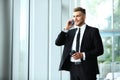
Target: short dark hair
(80,9)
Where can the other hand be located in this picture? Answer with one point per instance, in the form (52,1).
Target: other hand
(77,55)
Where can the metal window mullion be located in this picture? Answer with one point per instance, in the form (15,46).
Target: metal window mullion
(112,66)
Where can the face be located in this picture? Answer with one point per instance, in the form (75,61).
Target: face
(79,18)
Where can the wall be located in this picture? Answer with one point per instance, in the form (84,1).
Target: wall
(5,39)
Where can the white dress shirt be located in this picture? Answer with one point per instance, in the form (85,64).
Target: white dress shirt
(82,29)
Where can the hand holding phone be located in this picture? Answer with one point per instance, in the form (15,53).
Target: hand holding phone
(70,24)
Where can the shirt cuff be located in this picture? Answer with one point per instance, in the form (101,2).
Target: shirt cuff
(83,55)
(65,31)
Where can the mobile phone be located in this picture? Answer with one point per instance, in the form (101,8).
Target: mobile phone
(72,52)
(72,22)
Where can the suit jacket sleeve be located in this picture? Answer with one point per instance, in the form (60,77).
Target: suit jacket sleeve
(61,38)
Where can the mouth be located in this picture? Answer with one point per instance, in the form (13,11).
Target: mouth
(76,22)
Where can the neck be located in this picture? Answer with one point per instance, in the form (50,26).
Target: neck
(81,24)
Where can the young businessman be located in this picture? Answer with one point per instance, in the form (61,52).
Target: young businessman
(82,46)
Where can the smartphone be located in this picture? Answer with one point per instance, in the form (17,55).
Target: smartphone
(72,22)
(72,52)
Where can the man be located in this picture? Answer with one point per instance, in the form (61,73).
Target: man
(82,46)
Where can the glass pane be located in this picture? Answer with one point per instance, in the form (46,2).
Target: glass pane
(116,65)
(116,14)
(117,48)
(109,63)
(99,13)
(106,59)
(23,56)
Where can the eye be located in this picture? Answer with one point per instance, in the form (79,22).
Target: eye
(79,15)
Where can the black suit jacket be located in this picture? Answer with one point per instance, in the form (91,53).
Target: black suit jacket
(91,45)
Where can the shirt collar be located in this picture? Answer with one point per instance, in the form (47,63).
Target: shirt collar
(83,26)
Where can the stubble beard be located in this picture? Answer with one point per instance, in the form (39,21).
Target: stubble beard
(80,23)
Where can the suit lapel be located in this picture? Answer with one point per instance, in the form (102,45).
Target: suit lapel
(73,31)
(84,35)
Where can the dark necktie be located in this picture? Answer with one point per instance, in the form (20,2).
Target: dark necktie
(78,41)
